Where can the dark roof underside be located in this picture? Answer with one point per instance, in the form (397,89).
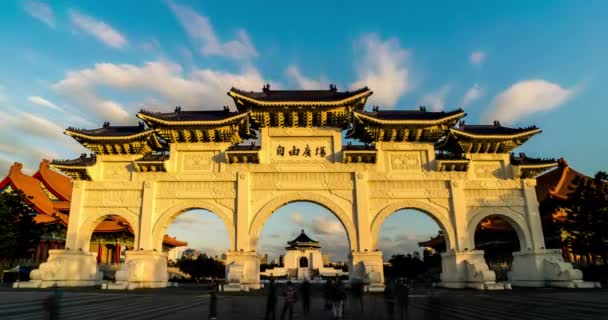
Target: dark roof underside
(192,115)
(299,95)
(410,114)
(111,131)
(492,129)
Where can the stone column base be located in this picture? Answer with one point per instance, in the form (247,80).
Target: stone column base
(65,268)
(545,268)
(368,267)
(142,269)
(242,271)
(468,269)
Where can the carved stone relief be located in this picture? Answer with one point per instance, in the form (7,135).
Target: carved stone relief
(488,169)
(302,180)
(494,198)
(410,161)
(117,171)
(196,189)
(113,198)
(408,189)
(197,161)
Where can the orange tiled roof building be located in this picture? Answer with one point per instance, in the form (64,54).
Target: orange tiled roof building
(49,194)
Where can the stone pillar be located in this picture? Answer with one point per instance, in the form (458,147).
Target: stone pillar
(144,239)
(73,237)
(462,266)
(242,271)
(467,269)
(367,267)
(241,214)
(142,269)
(364,241)
(65,268)
(536,266)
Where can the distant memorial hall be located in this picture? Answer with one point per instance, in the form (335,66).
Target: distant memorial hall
(458,174)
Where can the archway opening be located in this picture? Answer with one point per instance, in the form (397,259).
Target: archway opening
(110,239)
(196,242)
(411,242)
(498,239)
(303,240)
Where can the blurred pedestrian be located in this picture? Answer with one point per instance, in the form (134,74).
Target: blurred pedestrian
(291,298)
(338,294)
(403,292)
(356,288)
(212,305)
(53,304)
(271,302)
(327,288)
(305,294)
(390,299)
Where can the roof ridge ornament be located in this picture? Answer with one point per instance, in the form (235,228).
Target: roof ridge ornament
(422,108)
(333,88)
(266,88)
(497,123)
(106,124)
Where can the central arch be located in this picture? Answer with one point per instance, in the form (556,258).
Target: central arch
(440,215)
(168,216)
(271,206)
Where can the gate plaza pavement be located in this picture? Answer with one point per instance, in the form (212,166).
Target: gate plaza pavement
(182,303)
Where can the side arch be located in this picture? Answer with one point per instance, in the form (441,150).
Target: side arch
(165,219)
(273,205)
(516,221)
(438,214)
(96,216)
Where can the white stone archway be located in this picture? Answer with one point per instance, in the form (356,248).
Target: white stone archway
(417,159)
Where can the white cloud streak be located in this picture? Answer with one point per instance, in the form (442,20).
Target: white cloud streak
(525,98)
(303,82)
(40,11)
(43,102)
(477,58)
(436,100)
(201,89)
(200,30)
(381,65)
(473,94)
(98,29)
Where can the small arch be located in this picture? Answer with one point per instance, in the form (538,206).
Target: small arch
(303,262)
(515,220)
(436,213)
(273,205)
(85,231)
(163,222)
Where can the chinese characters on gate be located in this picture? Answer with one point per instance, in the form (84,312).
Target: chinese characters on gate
(306,153)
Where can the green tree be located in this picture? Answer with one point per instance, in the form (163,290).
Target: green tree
(18,231)
(586,225)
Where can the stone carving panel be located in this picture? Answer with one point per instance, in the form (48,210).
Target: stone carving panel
(494,198)
(408,189)
(488,169)
(197,161)
(409,161)
(196,189)
(113,198)
(302,180)
(117,171)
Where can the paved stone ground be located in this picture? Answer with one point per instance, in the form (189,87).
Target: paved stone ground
(189,303)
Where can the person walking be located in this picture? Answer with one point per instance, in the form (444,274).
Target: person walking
(327,288)
(337,298)
(356,288)
(271,302)
(290,299)
(305,294)
(390,299)
(403,292)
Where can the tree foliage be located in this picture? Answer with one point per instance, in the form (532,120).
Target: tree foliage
(19,232)
(201,267)
(586,226)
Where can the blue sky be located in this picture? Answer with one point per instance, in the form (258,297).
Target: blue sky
(79,63)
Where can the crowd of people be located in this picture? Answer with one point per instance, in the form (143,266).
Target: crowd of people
(334,294)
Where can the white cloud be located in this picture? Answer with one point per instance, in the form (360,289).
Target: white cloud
(381,65)
(297,218)
(477,58)
(525,98)
(199,28)
(98,29)
(40,11)
(327,226)
(303,82)
(473,94)
(31,124)
(436,100)
(43,102)
(200,89)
